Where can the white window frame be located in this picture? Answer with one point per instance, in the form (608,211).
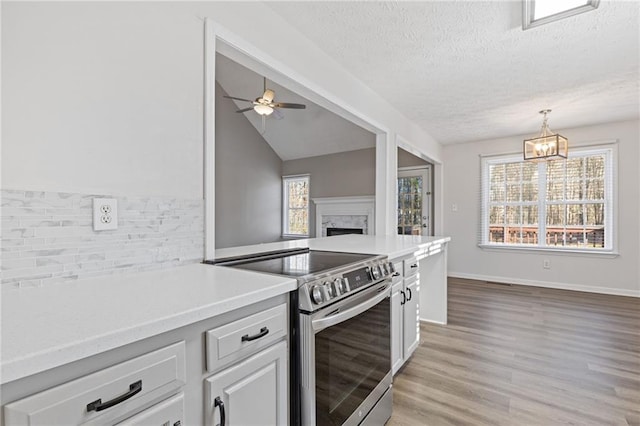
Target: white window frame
(285,205)
(611,217)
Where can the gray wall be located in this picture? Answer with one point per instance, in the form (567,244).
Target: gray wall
(248,181)
(336,175)
(407,159)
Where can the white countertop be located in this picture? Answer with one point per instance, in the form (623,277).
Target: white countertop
(45,327)
(390,245)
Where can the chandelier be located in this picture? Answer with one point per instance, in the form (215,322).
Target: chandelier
(547,146)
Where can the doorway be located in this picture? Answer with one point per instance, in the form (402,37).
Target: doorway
(415,200)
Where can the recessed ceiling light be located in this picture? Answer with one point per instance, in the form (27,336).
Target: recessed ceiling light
(539,12)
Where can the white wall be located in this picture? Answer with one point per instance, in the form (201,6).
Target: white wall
(101,98)
(108,97)
(618,275)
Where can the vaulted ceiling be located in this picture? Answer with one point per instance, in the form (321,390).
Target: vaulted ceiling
(300,133)
(465,70)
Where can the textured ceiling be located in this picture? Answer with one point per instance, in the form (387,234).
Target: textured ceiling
(465,70)
(301,133)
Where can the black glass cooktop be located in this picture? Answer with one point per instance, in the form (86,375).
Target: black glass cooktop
(297,263)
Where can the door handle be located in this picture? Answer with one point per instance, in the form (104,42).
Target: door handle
(410,296)
(218,403)
(404,298)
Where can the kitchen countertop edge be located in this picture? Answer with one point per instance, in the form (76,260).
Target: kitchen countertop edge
(23,325)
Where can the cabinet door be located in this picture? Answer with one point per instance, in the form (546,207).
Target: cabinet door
(411,317)
(397,314)
(254,392)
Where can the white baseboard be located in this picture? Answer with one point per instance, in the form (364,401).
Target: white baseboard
(548,284)
(433,322)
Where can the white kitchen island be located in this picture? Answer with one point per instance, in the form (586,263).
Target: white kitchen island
(431,253)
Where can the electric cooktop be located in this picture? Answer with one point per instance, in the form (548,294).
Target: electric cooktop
(293,263)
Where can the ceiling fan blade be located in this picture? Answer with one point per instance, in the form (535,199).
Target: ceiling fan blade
(245,109)
(237,99)
(277,114)
(287,105)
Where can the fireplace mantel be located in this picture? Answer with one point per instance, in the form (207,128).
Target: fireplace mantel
(345,206)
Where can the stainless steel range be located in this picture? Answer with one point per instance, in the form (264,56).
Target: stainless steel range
(341,321)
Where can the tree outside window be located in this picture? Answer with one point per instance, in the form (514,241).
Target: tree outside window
(564,203)
(295,205)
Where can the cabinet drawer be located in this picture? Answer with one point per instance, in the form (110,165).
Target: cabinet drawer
(244,337)
(106,396)
(410,266)
(398,268)
(169,412)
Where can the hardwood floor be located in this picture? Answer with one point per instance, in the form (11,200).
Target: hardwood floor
(516,355)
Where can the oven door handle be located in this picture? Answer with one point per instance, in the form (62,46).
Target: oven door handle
(331,320)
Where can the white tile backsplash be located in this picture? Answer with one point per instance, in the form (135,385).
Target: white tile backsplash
(48,237)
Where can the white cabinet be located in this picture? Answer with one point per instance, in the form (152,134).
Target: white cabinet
(239,339)
(411,337)
(167,413)
(253,392)
(405,311)
(397,322)
(106,396)
(249,359)
(159,381)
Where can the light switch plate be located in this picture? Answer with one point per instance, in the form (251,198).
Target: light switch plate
(105,214)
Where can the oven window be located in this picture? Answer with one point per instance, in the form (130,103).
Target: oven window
(352,357)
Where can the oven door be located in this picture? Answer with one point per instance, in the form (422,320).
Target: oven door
(347,358)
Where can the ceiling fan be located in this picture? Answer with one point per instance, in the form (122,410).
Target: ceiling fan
(265,105)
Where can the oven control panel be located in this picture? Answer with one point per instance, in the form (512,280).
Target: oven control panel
(321,292)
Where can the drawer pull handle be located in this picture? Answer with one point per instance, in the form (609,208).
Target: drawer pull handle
(415,265)
(397,274)
(98,405)
(218,403)
(263,332)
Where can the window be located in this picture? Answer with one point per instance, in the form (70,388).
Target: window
(558,204)
(295,196)
(539,12)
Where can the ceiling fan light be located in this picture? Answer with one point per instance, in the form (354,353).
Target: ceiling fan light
(263,109)
(268,95)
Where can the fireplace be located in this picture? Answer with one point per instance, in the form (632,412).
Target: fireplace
(344,231)
(345,213)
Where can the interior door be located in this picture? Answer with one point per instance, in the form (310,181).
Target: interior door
(414,201)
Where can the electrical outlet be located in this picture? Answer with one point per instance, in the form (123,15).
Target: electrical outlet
(546,264)
(105,214)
